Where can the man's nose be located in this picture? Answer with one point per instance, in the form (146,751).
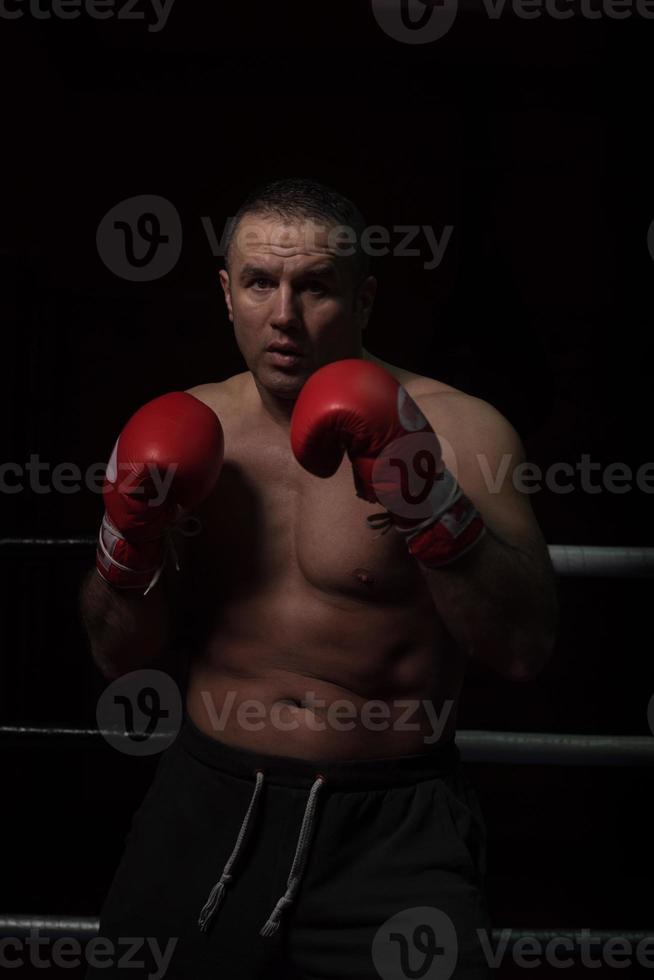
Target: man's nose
(286,311)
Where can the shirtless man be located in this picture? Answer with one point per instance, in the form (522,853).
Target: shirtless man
(314,793)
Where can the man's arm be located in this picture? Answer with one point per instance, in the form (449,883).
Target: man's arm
(126,631)
(166,460)
(499,599)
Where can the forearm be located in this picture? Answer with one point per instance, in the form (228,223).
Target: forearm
(499,603)
(126,632)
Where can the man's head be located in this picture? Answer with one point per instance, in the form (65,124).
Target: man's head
(296,277)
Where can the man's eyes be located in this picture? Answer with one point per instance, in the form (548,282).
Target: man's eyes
(314,286)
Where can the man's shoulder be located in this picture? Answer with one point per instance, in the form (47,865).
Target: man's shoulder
(222,396)
(452,412)
(429,391)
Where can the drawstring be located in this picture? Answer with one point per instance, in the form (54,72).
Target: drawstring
(218,890)
(271,926)
(297,868)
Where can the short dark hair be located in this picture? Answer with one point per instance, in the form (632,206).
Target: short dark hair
(293,198)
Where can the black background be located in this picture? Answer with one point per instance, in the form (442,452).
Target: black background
(532,139)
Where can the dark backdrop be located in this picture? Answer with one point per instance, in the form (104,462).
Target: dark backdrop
(531,139)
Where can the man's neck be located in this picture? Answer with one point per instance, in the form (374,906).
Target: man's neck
(272,407)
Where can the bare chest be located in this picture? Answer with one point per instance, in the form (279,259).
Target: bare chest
(268,522)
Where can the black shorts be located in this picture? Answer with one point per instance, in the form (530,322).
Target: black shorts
(362,869)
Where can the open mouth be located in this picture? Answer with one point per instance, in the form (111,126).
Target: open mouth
(284,356)
(284,349)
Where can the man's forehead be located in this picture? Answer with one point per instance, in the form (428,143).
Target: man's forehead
(284,238)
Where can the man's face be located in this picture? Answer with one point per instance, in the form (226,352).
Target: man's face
(292,296)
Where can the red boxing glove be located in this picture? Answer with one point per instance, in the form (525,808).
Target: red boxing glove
(357,407)
(167,458)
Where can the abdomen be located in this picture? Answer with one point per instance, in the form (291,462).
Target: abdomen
(325,676)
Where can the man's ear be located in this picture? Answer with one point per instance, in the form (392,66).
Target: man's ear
(365,299)
(224,282)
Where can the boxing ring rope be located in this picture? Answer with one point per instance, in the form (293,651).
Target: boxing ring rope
(499,748)
(508,748)
(83,928)
(546,749)
(580,561)
(592,561)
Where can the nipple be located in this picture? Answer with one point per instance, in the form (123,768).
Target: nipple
(363,575)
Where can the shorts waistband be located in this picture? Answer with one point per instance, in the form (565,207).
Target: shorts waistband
(438,760)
